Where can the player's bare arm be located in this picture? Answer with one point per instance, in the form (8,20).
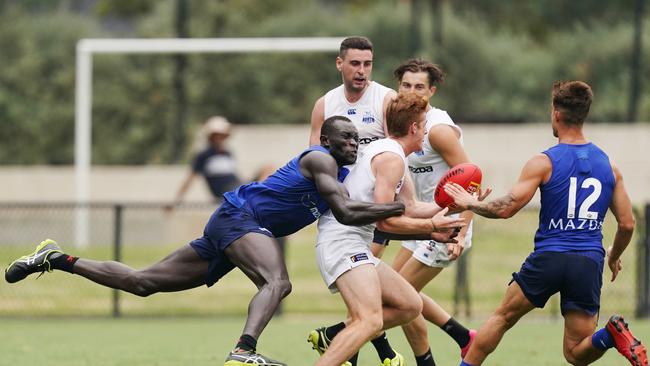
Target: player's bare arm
(536,171)
(387,98)
(621,207)
(322,169)
(388,169)
(415,208)
(317,118)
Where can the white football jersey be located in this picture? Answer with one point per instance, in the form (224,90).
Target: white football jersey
(427,166)
(367,113)
(360,183)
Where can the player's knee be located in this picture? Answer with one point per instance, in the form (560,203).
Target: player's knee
(372,324)
(368,319)
(571,358)
(282,286)
(411,306)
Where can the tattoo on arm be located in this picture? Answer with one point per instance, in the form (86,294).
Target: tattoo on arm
(495,208)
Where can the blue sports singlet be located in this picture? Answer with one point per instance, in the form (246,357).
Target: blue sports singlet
(286,201)
(575,200)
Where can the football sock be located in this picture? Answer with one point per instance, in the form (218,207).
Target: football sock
(457,331)
(383,348)
(463,363)
(333,330)
(63,262)
(426,359)
(247,343)
(602,340)
(353,359)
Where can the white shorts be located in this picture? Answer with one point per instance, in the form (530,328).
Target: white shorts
(336,258)
(434,254)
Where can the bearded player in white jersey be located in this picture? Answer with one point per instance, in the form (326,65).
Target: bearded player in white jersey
(421,261)
(364,102)
(361,100)
(376,296)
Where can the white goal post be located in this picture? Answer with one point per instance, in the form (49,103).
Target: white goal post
(86,48)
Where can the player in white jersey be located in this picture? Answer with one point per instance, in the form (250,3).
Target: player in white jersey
(361,100)
(364,102)
(421,261)
(376,296)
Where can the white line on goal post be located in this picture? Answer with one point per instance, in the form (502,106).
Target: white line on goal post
(86,48)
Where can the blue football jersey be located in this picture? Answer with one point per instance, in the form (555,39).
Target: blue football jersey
(575,200)
(286,201)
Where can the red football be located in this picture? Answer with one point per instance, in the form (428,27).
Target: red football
(466,175)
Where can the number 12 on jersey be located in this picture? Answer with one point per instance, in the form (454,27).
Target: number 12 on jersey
(583,212)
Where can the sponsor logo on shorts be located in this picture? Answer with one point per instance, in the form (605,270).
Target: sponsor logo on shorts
(359,257)
(265,230)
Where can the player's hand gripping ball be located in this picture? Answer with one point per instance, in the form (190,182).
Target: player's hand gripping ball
(467,175)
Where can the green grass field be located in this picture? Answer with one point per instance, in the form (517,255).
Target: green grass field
(64,320)
(206,341)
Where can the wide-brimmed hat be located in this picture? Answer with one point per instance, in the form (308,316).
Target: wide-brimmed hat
(217,124)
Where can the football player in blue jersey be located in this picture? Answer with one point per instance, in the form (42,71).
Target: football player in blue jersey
(578,184)
(241,233)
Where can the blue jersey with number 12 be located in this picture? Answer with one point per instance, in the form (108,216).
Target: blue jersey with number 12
(575,199)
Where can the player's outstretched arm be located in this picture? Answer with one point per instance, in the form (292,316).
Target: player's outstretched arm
(388,169)
(536,171)
(322,169)
(621,207)
(317,119)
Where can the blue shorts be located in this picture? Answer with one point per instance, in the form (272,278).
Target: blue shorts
(380,238)
(227,224)
(578,279)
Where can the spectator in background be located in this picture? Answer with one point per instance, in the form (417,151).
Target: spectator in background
(214,163)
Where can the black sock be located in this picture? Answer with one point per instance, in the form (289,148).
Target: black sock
(353,359)
(457,331)
(62,262)
(247,343)
(332,331)
(384,350)
(426,359)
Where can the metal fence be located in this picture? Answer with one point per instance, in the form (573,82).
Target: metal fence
(140,234)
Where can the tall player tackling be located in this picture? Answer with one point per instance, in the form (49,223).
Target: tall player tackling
(578,183)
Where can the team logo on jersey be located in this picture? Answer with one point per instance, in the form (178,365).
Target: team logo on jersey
(368,118)
(308,200)
(352,111)
(419,153)
(359,257)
